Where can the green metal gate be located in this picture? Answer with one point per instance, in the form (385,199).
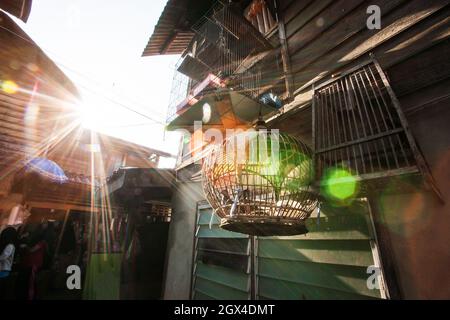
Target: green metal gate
(330,262)
(222,266)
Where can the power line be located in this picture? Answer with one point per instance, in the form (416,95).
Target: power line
(87,88)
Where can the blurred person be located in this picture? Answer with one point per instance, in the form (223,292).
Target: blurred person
(50,237)
(31,263)
(8,242)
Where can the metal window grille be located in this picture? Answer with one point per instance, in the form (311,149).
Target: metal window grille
(358,124)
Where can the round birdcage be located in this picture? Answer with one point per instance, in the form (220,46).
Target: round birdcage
(260,183)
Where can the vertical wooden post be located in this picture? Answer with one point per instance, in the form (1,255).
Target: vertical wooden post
(288,78)
(66,217)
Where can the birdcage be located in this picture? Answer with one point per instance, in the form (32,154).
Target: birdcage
(260,183)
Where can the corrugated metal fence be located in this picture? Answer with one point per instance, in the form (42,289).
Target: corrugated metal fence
(330,262)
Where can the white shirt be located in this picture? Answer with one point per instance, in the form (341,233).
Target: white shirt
(7,258)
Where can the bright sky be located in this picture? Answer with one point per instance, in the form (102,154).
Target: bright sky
(98,44)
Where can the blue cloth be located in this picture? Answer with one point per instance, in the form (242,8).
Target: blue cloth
(4,274)
(47,169)
(271,100)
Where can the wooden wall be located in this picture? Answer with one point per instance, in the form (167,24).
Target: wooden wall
(327,37)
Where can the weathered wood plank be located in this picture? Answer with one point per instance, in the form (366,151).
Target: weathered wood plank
(304,54)
(429,96)
(424,69)
(408,43)
(359,45)
(306,15)
(327,18)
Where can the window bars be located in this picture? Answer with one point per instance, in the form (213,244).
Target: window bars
(358,125)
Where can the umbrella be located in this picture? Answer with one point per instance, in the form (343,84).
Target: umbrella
(47,168)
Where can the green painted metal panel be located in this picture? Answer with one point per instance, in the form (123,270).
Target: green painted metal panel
(218,291)
(329,262)
(224,245)
(216,232)
(204,218)
(344,278)
(223,276)
(222,261)
(278,289)
(344,252)
(197,295)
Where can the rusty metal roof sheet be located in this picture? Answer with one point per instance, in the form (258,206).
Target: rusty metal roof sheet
(167,37)
(172,33)
(18,8)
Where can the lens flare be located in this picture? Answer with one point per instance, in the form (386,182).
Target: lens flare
(9,87)
(340,184)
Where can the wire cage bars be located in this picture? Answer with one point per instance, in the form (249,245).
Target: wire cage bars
(178,92)
(358,125)
(227,46)
(224,29)
(260,183)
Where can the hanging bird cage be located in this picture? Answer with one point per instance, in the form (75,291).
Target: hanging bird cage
(260,183)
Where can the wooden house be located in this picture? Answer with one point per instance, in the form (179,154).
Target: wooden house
(372,97)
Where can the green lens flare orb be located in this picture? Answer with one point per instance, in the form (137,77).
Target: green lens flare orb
(340,184)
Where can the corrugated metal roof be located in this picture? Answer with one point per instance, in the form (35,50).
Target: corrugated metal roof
(167,37)
(22,56)
(18,8)
(172,33)
(38,112)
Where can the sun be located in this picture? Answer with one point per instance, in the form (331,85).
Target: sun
(90,116)
(87,117)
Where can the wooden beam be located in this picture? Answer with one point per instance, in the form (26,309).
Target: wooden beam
(62,206)
(289,79)
(58,245)
(412,41)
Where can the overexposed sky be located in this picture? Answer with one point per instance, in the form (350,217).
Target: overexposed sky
(98,44)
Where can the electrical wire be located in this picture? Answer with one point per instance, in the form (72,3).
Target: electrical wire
(86,87)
